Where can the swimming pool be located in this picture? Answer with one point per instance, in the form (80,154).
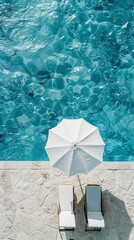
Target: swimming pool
(66,59)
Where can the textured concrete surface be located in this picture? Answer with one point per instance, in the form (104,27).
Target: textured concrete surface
(29,195)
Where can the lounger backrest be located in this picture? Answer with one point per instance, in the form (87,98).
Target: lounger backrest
(66,197)
(93,198)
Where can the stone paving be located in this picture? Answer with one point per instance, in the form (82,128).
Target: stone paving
(29,195)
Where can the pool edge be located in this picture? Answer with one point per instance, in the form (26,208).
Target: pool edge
(45,165)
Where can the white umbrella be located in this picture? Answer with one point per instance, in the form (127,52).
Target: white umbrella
(74,146)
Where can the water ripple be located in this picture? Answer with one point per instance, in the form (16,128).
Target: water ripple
(61,59)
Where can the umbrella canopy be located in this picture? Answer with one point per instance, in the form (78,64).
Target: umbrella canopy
(74,146)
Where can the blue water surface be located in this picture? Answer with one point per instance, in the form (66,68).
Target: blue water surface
(66,59)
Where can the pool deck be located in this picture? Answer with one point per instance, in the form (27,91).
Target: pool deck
(29,194)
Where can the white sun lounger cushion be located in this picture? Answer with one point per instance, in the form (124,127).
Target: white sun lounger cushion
(95,220)
(93,203)
(66,215)
(93,198)
(66,197)
(67,219)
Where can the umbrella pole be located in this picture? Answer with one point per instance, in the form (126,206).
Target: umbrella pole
(80,184)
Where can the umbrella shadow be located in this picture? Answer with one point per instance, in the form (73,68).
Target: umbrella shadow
(117,220)
(118,224)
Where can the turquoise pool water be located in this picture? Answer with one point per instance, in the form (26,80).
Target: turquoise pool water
(66,59)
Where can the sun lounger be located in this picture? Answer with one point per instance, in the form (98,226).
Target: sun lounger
(93,208)
(67,208)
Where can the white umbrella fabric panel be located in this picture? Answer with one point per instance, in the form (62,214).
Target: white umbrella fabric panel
(75,146)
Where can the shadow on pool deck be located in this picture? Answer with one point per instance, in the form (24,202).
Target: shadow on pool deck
(118,224)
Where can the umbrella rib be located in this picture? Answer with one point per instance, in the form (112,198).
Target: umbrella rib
(59,136)
(90,155)
(70,165)
(79,128)
(61,157)
(58,147)
(89,134)
(83,163)
(102,145)
(67,130)
(86,170)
